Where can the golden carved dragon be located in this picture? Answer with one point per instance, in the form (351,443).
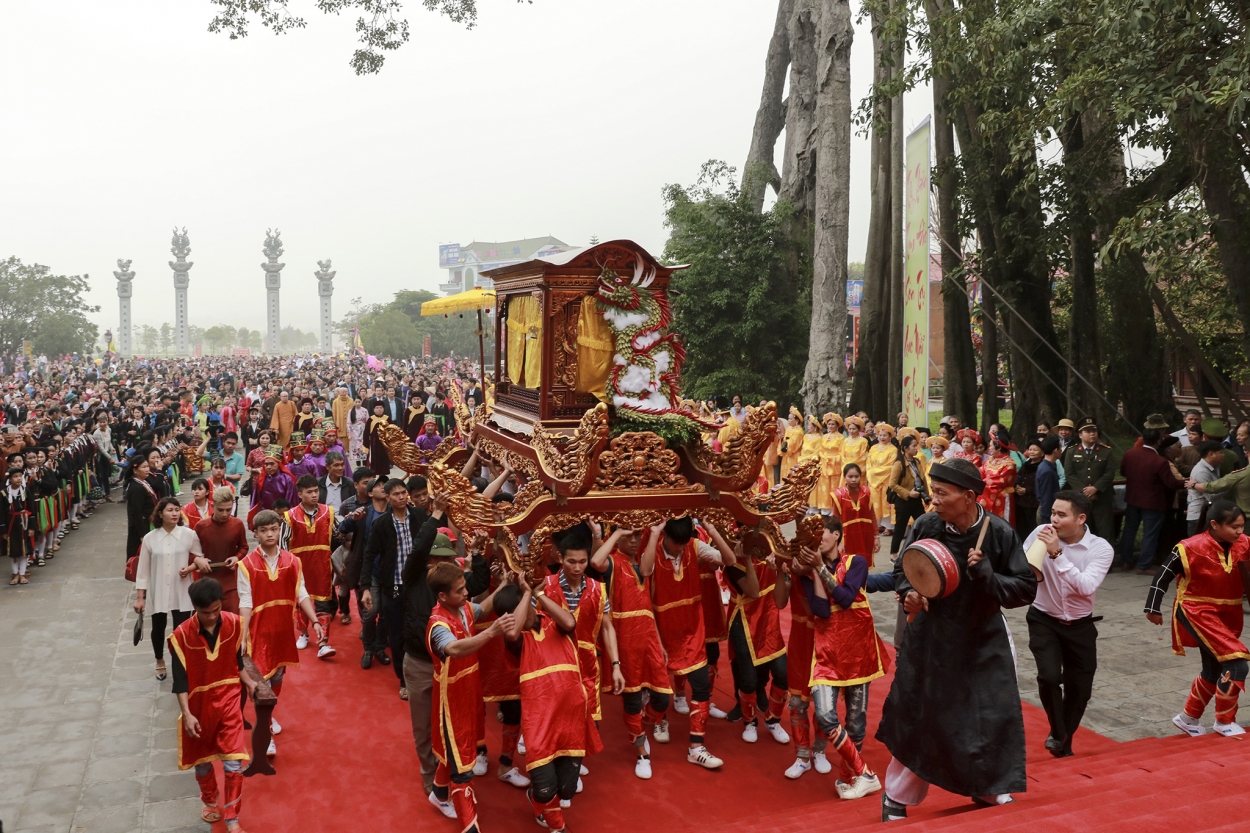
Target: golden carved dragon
(571,466)
(742,456)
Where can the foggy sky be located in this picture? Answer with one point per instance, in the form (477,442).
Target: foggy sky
(564,117)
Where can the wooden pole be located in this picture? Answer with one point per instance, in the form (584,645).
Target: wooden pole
(481,349)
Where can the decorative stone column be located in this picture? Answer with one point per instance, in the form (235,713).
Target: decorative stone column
(325,288)
(273,282)
(180,249)
(124,277)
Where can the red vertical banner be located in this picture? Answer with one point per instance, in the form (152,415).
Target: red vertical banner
(855,344)
(425,348)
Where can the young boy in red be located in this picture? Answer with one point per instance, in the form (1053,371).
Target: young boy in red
(207,655)
(271,587)
(759,650)
(457,691)
(311,527)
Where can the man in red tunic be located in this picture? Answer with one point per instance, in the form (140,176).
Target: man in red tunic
(759,651)
(311,527)
(271,587)
(847,654)
(556,715)
(852,504)
(457,694)
(207,655)
(677,596)
(1207,615)
(643,664)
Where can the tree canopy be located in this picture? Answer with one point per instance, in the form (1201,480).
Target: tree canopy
(398,328)
(47,309)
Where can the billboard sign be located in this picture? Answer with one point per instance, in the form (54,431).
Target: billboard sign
(448,255)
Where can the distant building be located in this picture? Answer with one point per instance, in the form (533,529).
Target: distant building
(464,264)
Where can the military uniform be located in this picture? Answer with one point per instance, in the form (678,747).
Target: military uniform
(1093,468)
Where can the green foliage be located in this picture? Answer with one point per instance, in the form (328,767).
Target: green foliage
(742,319)
(674,429)
(398,329)
(44,308)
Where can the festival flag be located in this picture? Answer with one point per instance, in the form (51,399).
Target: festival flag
(358,347)
(111,353)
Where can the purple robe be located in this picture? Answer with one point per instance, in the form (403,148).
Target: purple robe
(281,485)
(310,464)
(428,442)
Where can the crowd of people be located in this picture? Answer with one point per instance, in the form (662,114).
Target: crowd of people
(260,500)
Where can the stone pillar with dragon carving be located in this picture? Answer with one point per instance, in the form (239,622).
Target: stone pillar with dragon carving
(124,290)
(180,248)
(325,288)
(273,282)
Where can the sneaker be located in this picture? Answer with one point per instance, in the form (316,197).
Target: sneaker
(445,807)
(681,705)
(583,770)
(273,748)
(403,693)
(797,769)
(579,786)
(863,785)
(660,733)
(302,642)
(1228,730)
(275,728)
(719,714)
(750,733)
(482,765)
(700,756)
(520,744)
(892,810)
(642,768)
(325,651)
(821,763)
(514,777)
(1191,726)
(775,729)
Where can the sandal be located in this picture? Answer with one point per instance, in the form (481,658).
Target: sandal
(23,580)
(16,580)
(210,813)
(161,671)
(42,562)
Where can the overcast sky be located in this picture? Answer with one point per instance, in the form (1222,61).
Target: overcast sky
(564,117)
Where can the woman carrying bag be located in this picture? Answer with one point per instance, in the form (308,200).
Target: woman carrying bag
(141,500)
(170,553)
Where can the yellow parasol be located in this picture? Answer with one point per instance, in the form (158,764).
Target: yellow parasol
(473,299)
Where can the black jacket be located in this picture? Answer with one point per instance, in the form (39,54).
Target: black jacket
(347,489)
(382,548)
(417,597)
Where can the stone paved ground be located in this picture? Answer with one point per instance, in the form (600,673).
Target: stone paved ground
(88,742)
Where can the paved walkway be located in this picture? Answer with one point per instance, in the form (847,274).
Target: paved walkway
(89,745)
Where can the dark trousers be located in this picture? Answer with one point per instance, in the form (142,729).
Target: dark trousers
(633,702)
(1133,518)
(370,638)
(904,511)
(557,776)
(1212,668)
(391,627)
(1066,657)
(159,622)
(749,677)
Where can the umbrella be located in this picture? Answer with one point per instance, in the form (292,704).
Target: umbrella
(473,299)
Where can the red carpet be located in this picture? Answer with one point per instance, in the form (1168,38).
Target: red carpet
(346,762)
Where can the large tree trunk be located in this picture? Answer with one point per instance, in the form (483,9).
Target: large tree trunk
(869,391)
(1227,199)
(798,170)
(1083,355)
(894,393)
(825,379)
(760,171)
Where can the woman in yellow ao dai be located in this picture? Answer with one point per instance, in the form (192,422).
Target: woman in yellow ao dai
(855,446)
(792,442)
(830,462)
(881,459)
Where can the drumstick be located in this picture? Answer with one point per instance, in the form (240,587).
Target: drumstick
(985,525)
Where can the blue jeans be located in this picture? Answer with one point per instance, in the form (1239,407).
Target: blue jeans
(825,698)
(1134,517)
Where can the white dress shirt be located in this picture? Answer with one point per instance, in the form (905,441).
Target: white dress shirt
(1070,579)
(161,556)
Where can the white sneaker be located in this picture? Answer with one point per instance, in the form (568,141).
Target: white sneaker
(750,734)
(325,652)
(481,766)
(821,763)
(564,805)
(719,714)
(302,642)
(273,748)
(700,756)
(275,728)
(514,777)
(660,732)
(520,744)
(797,768)
(681,705)
(863,785)
(1228,730)
(583,771)
(777,731)
(579,786)
(445,807)
(642,768)
(1189,725)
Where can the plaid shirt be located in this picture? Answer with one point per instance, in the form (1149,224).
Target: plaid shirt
(403,547)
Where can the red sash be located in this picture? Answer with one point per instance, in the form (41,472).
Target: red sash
(847,649)
(589,618)
(637,640)
(271,631)
(457,697)
(677,595)
(310,543)
(555,712)
(760,619)
(213,692)
(1210,594)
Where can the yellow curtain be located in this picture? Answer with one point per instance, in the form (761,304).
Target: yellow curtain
(594,350)
(525,333)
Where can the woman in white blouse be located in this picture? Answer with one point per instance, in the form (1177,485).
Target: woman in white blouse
(170,553)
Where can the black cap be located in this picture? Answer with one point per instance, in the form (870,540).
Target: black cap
(959,473)
(1086,422)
